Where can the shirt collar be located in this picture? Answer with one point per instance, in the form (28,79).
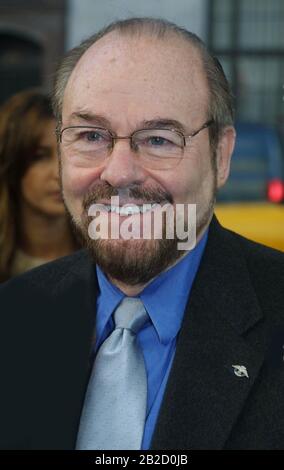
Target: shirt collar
(165,298)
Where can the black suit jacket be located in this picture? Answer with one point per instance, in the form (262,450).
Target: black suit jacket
(235,316)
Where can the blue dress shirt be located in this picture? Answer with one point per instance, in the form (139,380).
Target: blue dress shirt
(165,299)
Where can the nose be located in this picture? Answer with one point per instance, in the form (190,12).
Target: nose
(122,167)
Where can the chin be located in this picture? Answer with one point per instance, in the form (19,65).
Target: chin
(133,261)
(55,210)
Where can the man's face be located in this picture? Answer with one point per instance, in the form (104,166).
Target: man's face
(119,83)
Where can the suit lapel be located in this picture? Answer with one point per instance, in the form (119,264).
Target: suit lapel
(204,396)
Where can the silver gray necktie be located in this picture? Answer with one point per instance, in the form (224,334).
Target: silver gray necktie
(114,410)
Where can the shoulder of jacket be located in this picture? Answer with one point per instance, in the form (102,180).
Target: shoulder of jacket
(48,274)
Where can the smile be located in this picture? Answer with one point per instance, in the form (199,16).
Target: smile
(131,209)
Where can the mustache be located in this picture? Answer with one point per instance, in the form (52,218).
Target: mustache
(104,190)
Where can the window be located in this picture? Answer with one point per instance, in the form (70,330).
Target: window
(20,64)
(247,36)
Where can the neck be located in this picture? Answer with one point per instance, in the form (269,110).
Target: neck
(129,291)
(44,236)
(133,291)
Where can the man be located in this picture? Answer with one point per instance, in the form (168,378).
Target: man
(144,115)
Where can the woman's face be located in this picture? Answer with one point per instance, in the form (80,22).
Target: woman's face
(40,188)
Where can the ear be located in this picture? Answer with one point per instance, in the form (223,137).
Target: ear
(224,152)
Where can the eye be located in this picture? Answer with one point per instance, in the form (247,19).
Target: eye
(93,136)
(158,141)
(42,153)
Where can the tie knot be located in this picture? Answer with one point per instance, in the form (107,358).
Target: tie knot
(130,314)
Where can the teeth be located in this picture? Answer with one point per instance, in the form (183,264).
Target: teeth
(126,210)
(130,210)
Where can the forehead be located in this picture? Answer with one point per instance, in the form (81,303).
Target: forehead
(140,75)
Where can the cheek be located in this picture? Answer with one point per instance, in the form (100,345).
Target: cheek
(183,182)
(32,184)
(192,179)
(76,181)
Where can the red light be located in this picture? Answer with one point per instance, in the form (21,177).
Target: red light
(275,191)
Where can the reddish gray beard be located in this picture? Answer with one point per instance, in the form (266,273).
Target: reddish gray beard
(134,262)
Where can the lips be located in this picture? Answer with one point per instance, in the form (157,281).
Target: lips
(56,194)
(125,209)
(126,202)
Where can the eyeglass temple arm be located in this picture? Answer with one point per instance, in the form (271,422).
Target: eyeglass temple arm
(207,124)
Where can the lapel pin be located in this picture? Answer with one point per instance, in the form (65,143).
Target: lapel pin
(240,371)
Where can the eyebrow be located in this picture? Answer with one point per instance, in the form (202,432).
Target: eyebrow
(93,118)
(145,124)
(165,123)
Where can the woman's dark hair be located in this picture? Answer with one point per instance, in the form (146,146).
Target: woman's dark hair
(22,121)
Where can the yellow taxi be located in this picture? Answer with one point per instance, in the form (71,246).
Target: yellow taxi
(252,202)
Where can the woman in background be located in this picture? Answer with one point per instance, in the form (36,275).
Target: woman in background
(34,227)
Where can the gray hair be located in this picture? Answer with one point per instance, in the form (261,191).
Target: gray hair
(220,109)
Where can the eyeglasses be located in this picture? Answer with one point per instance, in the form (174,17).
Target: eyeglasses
(158,149)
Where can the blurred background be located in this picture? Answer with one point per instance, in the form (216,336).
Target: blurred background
(248,38)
